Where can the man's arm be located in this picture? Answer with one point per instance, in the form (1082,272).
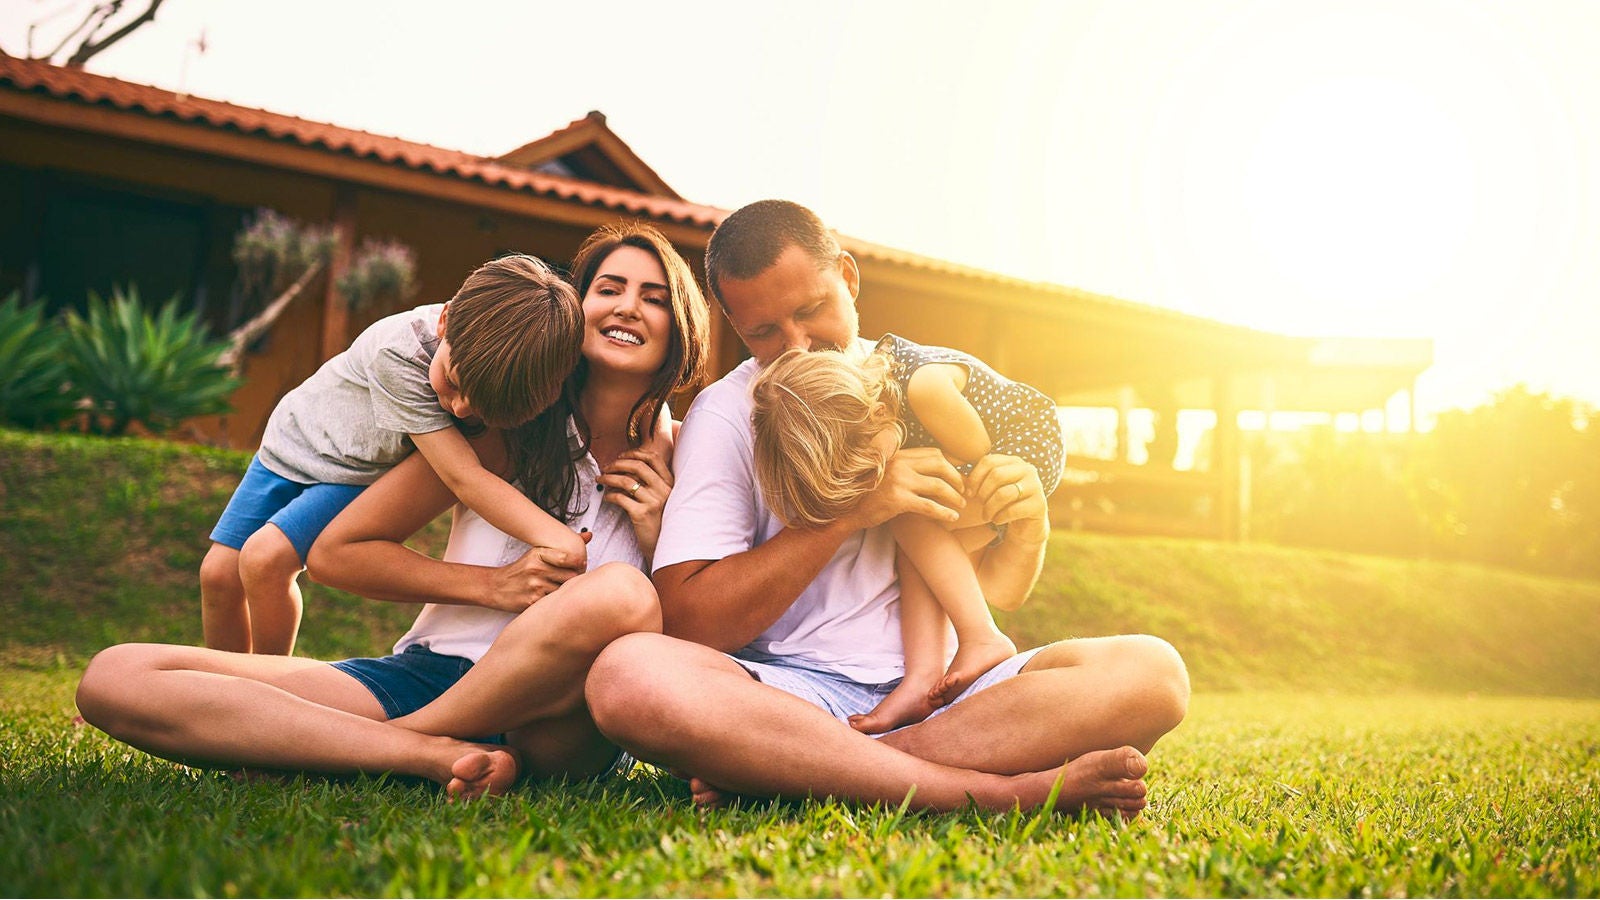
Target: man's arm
(726,603)
(1009,570)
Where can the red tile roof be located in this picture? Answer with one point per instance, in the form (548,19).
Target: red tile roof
(99,90)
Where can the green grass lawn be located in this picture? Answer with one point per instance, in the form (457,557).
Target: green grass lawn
(1362,727)
(1257,793)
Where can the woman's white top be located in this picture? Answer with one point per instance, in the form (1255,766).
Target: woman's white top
(469,630)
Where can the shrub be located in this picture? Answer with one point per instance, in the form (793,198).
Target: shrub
(135,367)
(35,384)
(379,268)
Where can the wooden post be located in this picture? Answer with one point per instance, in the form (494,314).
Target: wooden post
(1125,400)
(335,310)
(1225,457)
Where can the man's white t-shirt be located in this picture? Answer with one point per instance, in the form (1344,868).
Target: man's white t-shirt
(848,620)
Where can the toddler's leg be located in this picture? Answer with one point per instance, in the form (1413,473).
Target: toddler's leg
(923,628)
(268,567)
(938,555)
(224,618)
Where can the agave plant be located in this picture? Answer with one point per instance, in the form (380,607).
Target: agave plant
(35,384)
(135,367)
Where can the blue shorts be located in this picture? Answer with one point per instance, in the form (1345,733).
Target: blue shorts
(843,698)
(300,511)
(407,681)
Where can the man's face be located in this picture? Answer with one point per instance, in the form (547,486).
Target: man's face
(793,303)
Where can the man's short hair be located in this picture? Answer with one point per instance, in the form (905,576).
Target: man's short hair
(752,238)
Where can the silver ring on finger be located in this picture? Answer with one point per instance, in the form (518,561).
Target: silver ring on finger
(1016,486)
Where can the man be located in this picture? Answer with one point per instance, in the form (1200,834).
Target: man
(812,615)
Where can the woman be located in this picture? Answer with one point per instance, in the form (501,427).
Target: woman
(597,460)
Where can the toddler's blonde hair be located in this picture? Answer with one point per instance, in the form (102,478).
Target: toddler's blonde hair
(815,416)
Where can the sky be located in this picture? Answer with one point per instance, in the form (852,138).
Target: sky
(1407,168)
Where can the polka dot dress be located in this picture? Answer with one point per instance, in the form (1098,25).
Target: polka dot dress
(1021,421)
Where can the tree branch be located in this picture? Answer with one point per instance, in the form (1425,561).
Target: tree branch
(89,48)
(246,334)
(100,9)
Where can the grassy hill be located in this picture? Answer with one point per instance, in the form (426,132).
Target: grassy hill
(100,542)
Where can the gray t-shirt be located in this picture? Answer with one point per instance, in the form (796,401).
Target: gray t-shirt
(349,422)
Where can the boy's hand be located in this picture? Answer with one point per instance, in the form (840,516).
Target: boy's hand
(519,584)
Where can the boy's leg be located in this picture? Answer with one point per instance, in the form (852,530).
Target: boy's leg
(224,617)
(269,567)
(224,606)
(274,556)
(923,632)
(530,682)
(205,707)
(945,566)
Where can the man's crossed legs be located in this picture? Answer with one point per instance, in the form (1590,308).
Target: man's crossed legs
(1084,711)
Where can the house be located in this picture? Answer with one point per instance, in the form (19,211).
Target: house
(104,181)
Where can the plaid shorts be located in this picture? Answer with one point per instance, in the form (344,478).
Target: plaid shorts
(842,698)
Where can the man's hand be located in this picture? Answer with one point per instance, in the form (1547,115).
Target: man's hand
(918,480)
(517,585)
(1007,491)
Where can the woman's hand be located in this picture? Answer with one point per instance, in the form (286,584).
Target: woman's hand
(638,483)
(517,585)
(1008,492)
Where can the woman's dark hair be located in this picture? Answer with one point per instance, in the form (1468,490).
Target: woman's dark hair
(542,456)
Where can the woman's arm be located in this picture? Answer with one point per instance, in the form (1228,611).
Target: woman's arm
(363,550)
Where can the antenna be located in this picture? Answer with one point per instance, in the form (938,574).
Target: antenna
(196,47)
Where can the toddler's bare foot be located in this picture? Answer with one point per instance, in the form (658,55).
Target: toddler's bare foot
(973,658)
(484,771)
(1107,782)
(907,704)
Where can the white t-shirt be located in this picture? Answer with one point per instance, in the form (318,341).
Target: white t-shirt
(352,419)
(469,630)
(847,621)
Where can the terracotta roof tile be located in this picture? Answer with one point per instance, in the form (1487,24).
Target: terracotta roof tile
(100,90)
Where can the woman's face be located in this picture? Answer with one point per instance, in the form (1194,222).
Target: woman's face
(627,314)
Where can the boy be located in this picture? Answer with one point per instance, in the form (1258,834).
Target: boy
(494,356)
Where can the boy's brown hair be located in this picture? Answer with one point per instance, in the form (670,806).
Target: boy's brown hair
(515,330)
(816,414)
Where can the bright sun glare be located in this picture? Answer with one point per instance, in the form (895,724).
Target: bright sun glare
(1359,187)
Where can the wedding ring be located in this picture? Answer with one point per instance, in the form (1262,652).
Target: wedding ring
(634,491)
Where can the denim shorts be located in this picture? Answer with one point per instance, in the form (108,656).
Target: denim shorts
(843,698)
(407,681)
(300,511)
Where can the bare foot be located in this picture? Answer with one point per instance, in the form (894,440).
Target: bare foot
(707,797)
(909,702)
(974,657)
(1107,782)
(485,771)
(254,776)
